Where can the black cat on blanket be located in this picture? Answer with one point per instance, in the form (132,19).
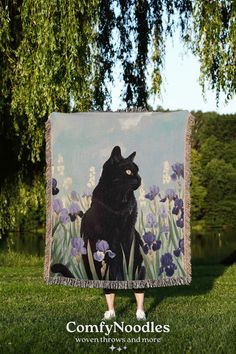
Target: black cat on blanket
(109,223)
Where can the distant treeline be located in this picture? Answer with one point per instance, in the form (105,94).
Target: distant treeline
(213,178)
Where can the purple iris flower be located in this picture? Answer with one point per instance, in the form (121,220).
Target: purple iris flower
(178,171)
(177,252)
(167,265)
(178,206)
(163,214)
(150,242)
(166,259)
(156,245)
(149,238)
(165,229)
(169,194)
(170,269)
(55,190)
(64,216)
(74,210)
(180,223)
(77,244)
(54,183)
(102,248)
(153,192)
(87,193)
(151,221)
(181,245)
(57,206)
(179,203)
(180,249)
(74,195)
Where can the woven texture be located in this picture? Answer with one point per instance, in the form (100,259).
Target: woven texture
(118,199)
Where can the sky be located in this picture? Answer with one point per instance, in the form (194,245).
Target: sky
(180,88)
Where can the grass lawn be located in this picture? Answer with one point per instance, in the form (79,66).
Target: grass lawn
(33,316)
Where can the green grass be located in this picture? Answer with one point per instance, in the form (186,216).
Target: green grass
(33,316)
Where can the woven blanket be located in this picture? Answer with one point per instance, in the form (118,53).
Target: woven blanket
(118,199)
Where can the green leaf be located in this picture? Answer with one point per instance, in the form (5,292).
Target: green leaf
(91,262)
(75,268)
(136,274)
(125,270)
(172,235)
(157,262)
(142,221)
(149,268)
(131,260)
(107,274)
(55,228)
(82,268)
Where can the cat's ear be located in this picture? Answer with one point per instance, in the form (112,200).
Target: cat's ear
(116,154)
(131,157)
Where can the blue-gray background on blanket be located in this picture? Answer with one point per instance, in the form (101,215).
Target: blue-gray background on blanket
(83,140)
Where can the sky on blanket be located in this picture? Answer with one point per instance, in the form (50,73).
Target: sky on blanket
(81,147)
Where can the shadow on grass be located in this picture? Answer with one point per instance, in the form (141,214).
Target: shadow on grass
(203,278)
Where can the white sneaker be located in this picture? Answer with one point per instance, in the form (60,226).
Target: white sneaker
(109,315)
(140,315)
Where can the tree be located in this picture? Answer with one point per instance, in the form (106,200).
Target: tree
(47,59)
(54,53)
(198,191)
(220,179)
(213,40)
(133,32)
(46,48)
(208,27)
(214,169)
(59,55)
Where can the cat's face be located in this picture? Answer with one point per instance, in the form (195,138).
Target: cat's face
(120,172)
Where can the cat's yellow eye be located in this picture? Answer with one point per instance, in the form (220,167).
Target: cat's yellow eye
(128,172)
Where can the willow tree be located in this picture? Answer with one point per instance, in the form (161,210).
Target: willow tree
(213,40)
(59,52)
(59,55)
(46,51)
(134,32)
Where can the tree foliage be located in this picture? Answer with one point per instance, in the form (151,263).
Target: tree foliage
(214,42)
(59,55)
(214,169)
(198,190)
(58,52)
(133,33)
(46,51)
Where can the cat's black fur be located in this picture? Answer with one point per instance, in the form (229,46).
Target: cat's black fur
(112,216)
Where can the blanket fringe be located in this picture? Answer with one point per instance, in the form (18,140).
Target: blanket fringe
(48,240)
(127,284)
(187,197)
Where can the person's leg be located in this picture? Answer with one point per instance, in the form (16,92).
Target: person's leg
(139,295)
(110,298)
